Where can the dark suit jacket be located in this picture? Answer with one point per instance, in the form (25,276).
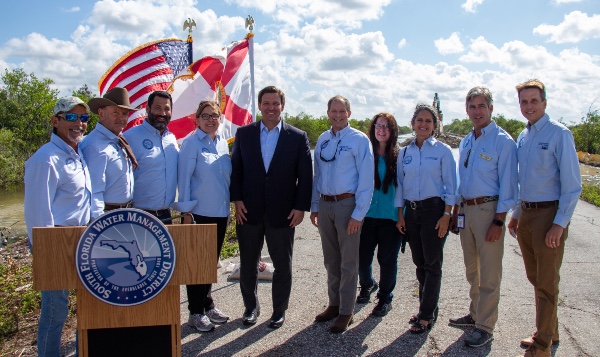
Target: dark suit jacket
(287,185)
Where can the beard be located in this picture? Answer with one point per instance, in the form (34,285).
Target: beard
(76,138)
(159,125)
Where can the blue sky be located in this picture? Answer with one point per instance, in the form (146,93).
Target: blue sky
(384,55)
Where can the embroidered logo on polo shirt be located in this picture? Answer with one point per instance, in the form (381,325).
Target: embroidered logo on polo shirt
(407,160)
(147,144)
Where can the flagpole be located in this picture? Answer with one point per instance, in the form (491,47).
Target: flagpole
(250,37)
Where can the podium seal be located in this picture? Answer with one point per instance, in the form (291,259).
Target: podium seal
(125,257)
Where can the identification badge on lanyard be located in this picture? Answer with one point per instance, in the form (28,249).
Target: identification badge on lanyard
(460,221)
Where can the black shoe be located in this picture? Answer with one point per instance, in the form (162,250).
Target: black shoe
(365,294)
(464,321)
(382,308)
(478,338)
(250,316)
(277,320)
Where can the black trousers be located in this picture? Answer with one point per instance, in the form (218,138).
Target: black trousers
(280,243)
(427,253)
(199,296)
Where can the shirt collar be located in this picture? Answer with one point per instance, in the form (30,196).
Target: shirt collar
(104,131)
(153,130)
(202,135)
(340,133)
(540,123)
(61,144)
(264,127)
(430,140)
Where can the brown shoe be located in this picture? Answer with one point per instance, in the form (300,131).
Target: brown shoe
(532,351)
(528,341)
(329,313)
(341,323)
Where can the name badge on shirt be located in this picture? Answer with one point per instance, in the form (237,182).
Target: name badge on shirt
(485,157)
(460,221)
(543,146)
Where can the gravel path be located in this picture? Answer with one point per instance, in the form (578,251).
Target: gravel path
(579,310)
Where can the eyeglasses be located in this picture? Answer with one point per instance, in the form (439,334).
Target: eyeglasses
(467,159)
(382,126)
(73,117)
(213,116)
(323,145)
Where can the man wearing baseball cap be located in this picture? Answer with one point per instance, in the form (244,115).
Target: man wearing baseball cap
(58,193)
(111,162)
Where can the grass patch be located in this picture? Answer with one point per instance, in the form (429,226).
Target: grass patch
(591,194)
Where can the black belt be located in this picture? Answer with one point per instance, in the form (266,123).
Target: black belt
(336,198)
(160,212)
(536,205)
(479,200)
(112,206)
(431,202)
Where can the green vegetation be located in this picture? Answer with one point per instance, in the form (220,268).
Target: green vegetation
(26,104)
(230,245)
(587,134)
(591,194)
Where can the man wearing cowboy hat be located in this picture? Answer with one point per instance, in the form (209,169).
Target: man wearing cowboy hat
(108,155)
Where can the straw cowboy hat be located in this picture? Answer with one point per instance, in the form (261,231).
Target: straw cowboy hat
(116,96)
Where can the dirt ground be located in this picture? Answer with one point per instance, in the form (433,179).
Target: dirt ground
(23,342)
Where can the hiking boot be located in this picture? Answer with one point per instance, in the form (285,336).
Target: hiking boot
(341,323)
(528,341)
(201,322)
(532,351)
(465,321)
(478,338)
(365,294)
(329,313)
(382,308)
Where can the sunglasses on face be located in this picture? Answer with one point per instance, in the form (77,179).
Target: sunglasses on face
(73,117)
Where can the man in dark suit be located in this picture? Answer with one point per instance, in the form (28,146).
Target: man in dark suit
(271,183)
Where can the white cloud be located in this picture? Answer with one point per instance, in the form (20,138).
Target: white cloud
(559,2)
(402,43)
(576,26)
(450,45)
(471,5)
(73,9)
(324,13)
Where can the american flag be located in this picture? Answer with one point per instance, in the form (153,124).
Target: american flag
(146,69)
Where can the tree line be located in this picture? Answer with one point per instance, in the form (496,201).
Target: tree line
(26,104)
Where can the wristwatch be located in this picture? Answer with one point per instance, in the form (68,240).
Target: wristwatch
(498,222)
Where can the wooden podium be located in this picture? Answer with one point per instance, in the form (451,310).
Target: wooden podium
(54,269)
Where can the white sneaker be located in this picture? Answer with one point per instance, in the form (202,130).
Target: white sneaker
(201,322)
(215,315)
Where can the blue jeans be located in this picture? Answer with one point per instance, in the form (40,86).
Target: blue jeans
(53,316)
(382,233)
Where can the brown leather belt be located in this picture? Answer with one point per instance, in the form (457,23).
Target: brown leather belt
(536,205)
(336,198)
(479,200)
(112,206)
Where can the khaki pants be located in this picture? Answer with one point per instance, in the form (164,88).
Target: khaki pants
(483,264)
(340,253)
(542,266)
